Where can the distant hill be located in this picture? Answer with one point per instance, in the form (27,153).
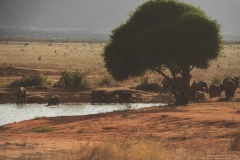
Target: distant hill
(92,18)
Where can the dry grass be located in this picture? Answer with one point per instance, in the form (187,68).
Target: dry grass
(69,56)
(228,64)
(87,58)
(124,150)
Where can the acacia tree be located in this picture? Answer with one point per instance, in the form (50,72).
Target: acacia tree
(165,36)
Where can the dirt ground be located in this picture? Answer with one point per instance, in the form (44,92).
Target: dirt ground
(205,130)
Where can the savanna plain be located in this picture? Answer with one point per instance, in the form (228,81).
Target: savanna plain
(206,130)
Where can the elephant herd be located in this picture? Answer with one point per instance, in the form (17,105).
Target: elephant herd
(97,96)
(228,85)
(21,93)
(116,95)
(197,88)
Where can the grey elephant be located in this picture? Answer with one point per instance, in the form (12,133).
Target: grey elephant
(98,96)
(21,93)
(54,100)
(124,96)
(111,95)
(234,79)
(215,90)
(166,83)
(198,86)
(199,96)
(229,86)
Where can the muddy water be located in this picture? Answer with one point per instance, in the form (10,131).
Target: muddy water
(10,113)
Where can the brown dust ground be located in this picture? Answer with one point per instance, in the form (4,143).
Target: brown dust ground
(203,130)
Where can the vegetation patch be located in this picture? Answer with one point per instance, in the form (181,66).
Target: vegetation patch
(106,81)
(36,80)
(216,80)
(81,130)
(72,79)
(42,129)
(124,150)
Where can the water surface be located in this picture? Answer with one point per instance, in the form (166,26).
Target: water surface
(10,113)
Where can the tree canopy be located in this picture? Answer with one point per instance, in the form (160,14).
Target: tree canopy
(160,35)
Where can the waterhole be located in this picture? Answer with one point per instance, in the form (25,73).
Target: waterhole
(10,113)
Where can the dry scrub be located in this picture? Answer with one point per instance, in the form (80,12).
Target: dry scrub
(86,57)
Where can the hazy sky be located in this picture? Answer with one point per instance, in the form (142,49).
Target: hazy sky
(226,12)
(101,13)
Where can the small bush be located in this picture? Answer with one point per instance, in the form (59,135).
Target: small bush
(81,131)
(144,80)
(216,80)
(106,81)
(36,80)
(72,79)
(42,130)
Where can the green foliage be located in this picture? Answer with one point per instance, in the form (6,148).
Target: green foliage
(81,130)
(106,81)
(216,80)
(42,130)
(72,79)
(36,80)
(162,34)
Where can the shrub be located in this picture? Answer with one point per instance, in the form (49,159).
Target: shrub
(81,131)
(216,80)
(106,81)
(41,130)
(36,80)
(72,79)
(144,80)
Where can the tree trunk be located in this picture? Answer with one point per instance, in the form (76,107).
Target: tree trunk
(182,93)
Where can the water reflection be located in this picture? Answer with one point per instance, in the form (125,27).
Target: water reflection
(10,113)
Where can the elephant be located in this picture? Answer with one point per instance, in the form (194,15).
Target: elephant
(229,86)
(124,96)
(234,79)
(111,95)
(98,96)
(215,90)
(199,96)
(54,100)
(166,83)
(198,86)
(21,92)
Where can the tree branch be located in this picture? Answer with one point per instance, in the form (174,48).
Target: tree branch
(191,68)
(158,71)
